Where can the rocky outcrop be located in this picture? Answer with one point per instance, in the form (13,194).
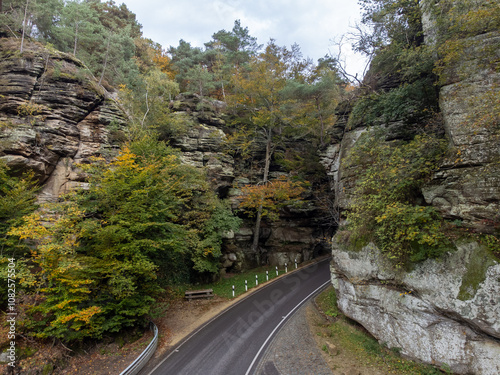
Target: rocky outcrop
(467,187)
(445,311)
(442,312)
(53,116)
(202,143)
(297,236)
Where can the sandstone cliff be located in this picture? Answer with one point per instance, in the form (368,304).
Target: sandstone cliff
(443,312)
(297,236)
(53,116)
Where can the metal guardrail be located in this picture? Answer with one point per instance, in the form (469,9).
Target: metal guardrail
(144,357)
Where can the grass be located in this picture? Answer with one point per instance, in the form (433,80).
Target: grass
(224,287)
(352,338)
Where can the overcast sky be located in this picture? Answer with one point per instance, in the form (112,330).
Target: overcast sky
(312,24)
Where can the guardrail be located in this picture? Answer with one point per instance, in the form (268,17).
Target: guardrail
(144,357)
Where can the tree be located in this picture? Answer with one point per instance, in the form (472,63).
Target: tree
(258,90)
(77,25)
(237,45)
(17,199)
(315,98)
(102,255)
(185,58)
(200,80)
(271,197)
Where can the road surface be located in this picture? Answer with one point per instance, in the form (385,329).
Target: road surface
(234,342)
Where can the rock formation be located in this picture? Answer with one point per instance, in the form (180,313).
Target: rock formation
(54,116)
(297,236)
(443,312)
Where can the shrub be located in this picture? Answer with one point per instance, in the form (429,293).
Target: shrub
(386,204)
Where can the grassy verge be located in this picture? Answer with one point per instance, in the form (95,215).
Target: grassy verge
(350,337)
(224,287)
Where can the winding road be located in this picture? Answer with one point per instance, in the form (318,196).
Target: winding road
(234,342)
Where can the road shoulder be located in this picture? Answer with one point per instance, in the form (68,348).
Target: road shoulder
(294,350)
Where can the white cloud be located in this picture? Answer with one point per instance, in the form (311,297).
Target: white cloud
(312,24)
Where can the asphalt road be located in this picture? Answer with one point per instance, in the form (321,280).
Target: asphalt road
(234,342)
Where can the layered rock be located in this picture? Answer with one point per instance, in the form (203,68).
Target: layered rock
(202,143)
(443,312)
(467,188)
(54,116)
(295,237)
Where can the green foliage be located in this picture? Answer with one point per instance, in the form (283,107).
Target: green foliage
(459,22)
(412,103)
(392,21)
(208,252)
(327,302)
(17,199)
(147,104)
(100,253)
(385,204)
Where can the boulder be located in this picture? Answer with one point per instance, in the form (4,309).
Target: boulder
(444,312)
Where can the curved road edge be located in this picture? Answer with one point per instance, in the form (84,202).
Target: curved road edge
(148,370)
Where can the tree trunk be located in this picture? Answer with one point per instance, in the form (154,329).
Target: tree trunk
(258,219)
(322,123)
(147,108)
(76,39)
(105,59)
(24,25)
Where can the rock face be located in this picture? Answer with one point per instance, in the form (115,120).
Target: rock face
(296,237)
(443,312)
(53,116)
(468,188)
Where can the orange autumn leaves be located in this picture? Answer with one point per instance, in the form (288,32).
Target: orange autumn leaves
(273,196)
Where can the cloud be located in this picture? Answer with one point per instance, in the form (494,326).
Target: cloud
(312,24)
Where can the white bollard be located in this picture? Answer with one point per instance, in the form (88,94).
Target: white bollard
(256,280)
(233,291)
(267,275)
(246,286)
(276,270)
(295,263)
(286,268)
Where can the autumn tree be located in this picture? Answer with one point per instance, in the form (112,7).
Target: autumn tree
(270,198)
(258,90)
(103,255)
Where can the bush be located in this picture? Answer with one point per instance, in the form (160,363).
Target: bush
(103,254)
(386,204)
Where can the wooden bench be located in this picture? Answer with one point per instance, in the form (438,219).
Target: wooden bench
(205,293)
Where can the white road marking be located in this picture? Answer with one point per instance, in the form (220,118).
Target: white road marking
(280,323)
